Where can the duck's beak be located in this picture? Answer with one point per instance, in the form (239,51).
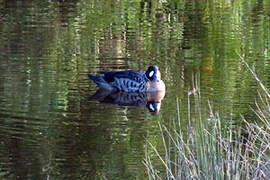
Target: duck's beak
(155,78)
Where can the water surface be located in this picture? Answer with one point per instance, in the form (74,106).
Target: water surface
(51,128)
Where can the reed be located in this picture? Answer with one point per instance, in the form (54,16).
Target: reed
(208,151)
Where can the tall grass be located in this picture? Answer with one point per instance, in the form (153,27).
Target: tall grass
(208,151)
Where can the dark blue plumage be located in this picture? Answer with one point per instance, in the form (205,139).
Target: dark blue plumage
(137,76)
(130,80)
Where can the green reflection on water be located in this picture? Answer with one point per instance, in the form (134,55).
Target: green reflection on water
(50,128)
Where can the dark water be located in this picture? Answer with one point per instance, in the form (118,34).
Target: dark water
(50,128)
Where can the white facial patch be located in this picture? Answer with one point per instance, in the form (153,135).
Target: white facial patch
(151,107)
(151,73)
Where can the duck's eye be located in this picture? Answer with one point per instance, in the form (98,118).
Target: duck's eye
(151,73)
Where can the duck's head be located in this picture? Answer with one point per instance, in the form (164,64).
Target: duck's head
(153,73)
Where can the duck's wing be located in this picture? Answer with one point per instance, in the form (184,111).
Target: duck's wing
(137,76)
(101,82)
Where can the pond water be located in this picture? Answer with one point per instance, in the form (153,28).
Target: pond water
(50,125)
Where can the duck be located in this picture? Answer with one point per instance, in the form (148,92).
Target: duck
(130,80)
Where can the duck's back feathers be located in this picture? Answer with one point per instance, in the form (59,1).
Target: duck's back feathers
(128,81)
(137,76)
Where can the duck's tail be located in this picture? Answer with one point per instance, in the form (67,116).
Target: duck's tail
(95,78)
(100,81)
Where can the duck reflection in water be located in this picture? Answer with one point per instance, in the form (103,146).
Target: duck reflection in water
(152,100)
(130,88)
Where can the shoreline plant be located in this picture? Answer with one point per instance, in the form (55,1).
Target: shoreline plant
(209,151)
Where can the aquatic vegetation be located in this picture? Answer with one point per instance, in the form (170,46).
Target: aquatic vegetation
(210,150)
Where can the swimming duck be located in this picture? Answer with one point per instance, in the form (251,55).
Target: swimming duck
(130,80)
